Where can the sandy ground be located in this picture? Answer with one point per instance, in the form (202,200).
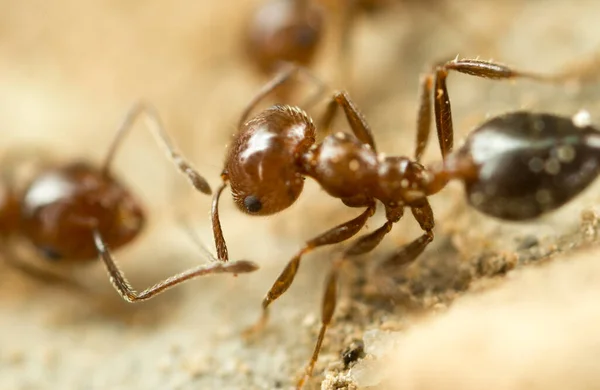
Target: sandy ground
(489,304)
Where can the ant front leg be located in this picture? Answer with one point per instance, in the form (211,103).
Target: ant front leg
(129,294)
(356,120)
(156,125)
(435,81)
(333,236)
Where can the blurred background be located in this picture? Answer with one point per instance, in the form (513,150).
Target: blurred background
(70,70)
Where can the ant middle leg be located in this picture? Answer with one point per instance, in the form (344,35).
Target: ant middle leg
(408,253)
(335,235)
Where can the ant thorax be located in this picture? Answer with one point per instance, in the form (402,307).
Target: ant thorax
(346,168)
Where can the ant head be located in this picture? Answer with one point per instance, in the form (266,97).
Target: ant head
(262,164)
(284,31)
(62,208)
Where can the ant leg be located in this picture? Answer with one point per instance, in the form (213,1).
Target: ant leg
(362,245)
(333,236)
(443,113)
(289,71)
(160,133)
(220,244)
(128,293)
(406,254)
(356,120)
(424,116)
(327,309)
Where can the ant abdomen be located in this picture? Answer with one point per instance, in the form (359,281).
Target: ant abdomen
(261,164)
(525,164)
(63,206)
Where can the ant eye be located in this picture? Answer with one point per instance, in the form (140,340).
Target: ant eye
(252,204)
(50,253)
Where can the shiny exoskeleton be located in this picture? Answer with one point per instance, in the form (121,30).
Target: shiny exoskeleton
(274,151)
(526,164)
(77,211)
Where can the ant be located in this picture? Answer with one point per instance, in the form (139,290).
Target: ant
(77,211)
(280,32)
(514,167)
(290,31)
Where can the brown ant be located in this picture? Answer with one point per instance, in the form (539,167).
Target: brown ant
(281,32)
(76,212)
(514,167)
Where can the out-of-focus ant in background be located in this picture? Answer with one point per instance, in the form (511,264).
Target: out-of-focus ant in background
(79,211)
(279,32)
(514,167)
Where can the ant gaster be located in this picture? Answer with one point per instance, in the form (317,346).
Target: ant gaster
(78,211)
(273,151)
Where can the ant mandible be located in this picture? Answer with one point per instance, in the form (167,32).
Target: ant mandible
(78,211)
(499,164)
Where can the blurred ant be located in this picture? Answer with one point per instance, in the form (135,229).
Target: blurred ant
(78,211)
(291,31)
(514,167)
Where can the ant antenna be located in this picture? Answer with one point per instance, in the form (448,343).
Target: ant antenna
(124,288)
(154,122)
(186,225)
(289,70)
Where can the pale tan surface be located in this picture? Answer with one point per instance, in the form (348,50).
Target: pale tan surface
(68,72)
